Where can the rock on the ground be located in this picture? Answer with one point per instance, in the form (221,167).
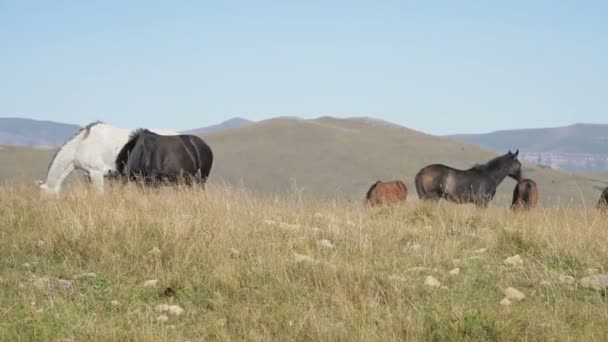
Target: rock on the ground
(326,244)
(89,275)
(595,282)
(455,271)
(40,243)
(114,303)
(515,260)
(514,294)
(432,282)
(505,302)
(568,280)
(150,283)
(299,258)
(172,309)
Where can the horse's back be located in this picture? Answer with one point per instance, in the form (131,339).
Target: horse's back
(387,193)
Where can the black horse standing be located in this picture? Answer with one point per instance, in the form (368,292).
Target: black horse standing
(476,185)
(155,158)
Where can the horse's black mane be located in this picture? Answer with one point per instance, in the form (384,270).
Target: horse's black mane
(493,164)
(123,155)
(94,123)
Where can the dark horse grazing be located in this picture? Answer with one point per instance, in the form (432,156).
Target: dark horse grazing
(525,195)
(603,202)
(164,158)
(386,193)
(476,185)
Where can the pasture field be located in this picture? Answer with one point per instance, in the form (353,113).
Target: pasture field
(253,267)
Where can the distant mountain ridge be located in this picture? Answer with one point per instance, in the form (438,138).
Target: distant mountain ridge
(43,133)
(29,132)
(578,147)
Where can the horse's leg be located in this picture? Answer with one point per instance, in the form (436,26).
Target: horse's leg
(97,180)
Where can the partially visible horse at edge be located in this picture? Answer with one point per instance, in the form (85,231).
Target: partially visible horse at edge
(525,195)
(476,185)
(382,193)
(154,159)
(93,149)
(602,204)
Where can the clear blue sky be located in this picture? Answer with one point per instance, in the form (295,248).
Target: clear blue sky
(440,67)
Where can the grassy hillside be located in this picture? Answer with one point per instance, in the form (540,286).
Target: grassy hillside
(240,267)
(335,158)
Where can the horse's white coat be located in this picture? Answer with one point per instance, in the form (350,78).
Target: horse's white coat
(94,154)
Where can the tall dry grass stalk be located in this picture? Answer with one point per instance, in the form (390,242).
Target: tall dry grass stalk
(261,268)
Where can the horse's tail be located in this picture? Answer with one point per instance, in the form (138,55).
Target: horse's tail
(419,186)
(369,192)
(527,193)
(125,151)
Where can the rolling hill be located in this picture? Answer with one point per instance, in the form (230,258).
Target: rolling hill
(336,158)
(29,132)
(580,147)
(228,124)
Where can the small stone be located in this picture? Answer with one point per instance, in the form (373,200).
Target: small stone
(432,282)
(40,243)
(455,271)
(162,318)
(27,265)
(151,283)
(176,310)
(514,294)
(162,307)
(325,244)
(89,275)
(480,251)
(114,303)
(172,309)
(505,302)
(234,252)
(515,260)
(299,258)
(596,282)
(154,251)
(568,280)
(414,247)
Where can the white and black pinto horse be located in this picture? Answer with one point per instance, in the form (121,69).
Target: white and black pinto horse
(93,149)
(156,159)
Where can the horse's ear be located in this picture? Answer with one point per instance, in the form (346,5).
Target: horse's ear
(516,153)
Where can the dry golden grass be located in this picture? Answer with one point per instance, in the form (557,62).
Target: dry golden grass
(236,263)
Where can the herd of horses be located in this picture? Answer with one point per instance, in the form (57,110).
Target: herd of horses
(154,157)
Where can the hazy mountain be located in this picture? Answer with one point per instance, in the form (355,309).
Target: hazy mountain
(580,147)
(231,123)
(28,132)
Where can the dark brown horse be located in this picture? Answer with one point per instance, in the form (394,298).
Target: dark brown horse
(476,185)
(603,202)
(525,195)
(382,193)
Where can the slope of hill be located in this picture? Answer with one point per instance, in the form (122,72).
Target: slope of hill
(580,147)
(228,124)
(335,158)
(28,132)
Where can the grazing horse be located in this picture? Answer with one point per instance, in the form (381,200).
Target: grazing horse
(476,185)
(92,149)
(386,193)
(525,195)
(602,204)
(156,158)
